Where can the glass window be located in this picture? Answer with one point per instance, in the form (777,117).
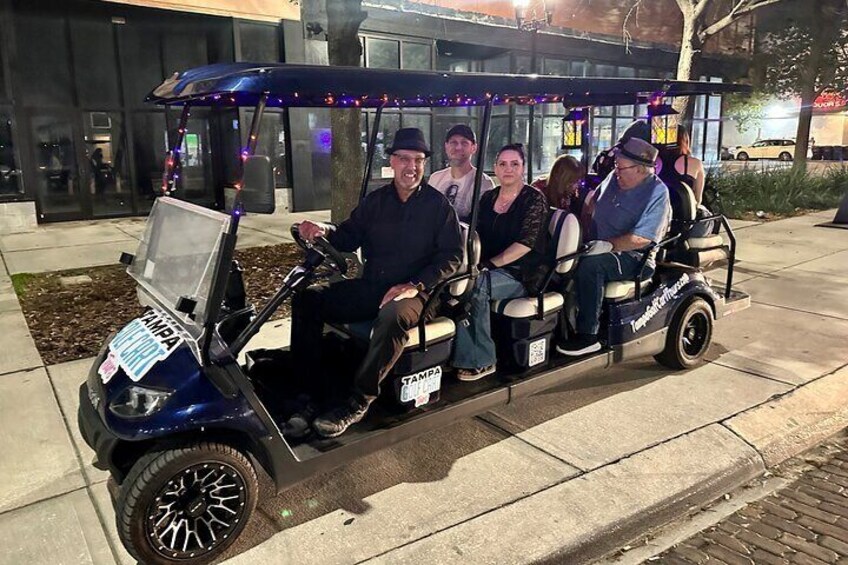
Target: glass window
(141,65)
(711,150)
(184,48)
(550,146)
(498,137)
(626,72)
(714,108)
(389,124)
(605,71)
(94,62)
(523,65)
(498,64)
(556,67)
(382,53)
(417,56)
(700,106)
(43,68)
(698,139)
(601,134)
(272,143)
(57,177)
(625,112)
(107,170)
(10,173)
(602,110)
(620,127)
(259,43)
(579,68)
(647,73)
(149,148)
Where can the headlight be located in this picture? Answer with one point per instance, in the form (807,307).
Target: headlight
(139,401)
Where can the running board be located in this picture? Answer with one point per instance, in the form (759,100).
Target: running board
(737,302)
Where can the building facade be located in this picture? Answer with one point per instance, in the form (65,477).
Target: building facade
(77,141)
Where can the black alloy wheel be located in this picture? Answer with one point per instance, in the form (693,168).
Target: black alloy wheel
(186,505)
(785,156)
(689,336)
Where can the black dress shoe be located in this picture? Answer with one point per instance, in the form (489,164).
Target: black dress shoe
(335,422)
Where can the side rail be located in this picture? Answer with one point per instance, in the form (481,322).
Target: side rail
(434,298)
(646,254)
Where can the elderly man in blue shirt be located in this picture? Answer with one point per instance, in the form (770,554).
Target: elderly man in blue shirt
(632,210)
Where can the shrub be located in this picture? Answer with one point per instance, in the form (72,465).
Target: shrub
(778,191)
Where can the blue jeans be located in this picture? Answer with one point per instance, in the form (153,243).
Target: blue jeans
(474,347)
(593,272)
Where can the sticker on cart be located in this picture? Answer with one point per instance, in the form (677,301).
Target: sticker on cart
(141,344)
(537,352)
(421,385)
(108,368)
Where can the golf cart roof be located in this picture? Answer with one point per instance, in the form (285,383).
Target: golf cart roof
(243,84)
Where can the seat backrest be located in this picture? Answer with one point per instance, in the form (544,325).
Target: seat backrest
(566,237)
(683,203)
(458,288)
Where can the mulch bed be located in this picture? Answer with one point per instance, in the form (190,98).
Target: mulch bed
(70,323)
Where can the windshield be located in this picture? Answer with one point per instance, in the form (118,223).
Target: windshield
(178,255)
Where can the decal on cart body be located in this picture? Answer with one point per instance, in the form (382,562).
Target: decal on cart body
(659,302)
(537,352)
(141,344)
(421,385)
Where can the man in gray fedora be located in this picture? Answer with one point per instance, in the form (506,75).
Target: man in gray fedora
(410,240)
(632,210)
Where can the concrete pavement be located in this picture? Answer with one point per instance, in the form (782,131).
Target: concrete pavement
(560,477)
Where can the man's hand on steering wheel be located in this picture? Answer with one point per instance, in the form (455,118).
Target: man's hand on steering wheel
(310,230)
(399,292)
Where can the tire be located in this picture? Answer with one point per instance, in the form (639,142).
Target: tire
(689,336)
(785,156)
(151,537)
(742,156)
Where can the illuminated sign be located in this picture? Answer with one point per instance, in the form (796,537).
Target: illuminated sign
(830,101)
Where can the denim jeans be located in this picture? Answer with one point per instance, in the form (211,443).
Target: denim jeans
(474,347)
(593,272)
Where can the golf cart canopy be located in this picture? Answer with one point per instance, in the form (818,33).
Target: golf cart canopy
(244,84)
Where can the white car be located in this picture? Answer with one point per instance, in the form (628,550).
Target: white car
(783,149)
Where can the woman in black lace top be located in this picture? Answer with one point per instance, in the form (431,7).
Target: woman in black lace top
(511,225)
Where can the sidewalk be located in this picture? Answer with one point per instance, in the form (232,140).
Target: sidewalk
(562,477)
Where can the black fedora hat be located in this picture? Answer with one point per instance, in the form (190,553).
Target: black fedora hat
(411,139)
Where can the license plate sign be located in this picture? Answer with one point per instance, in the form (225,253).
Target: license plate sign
(141,344)
(419,387)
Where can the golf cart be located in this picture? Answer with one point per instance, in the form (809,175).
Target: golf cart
(182,425)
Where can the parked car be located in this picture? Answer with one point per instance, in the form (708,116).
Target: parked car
(783,149)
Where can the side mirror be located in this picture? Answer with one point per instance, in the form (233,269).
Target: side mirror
(257,192)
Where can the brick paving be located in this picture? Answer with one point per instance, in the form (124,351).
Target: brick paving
(805,523)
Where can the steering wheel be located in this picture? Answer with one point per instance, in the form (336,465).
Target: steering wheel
(323,247)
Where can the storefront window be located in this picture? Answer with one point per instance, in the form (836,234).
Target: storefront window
(10,173)
(272,142)
(382,53)
(259,43)
(417,56)
(107,178)
(556,67)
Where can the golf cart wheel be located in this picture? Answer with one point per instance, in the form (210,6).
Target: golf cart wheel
(785,156)
(186,505)
(742,156)
(688,336)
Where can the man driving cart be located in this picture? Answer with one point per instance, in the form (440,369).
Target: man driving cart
(410,240)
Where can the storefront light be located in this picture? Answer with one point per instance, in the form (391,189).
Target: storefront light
(664,122)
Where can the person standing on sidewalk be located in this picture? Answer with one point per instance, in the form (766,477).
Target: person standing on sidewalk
(456,182)
(632,210)
(410,241)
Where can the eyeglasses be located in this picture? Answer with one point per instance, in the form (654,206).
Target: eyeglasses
(617,168)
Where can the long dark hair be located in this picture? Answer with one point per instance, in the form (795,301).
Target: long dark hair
(517,147)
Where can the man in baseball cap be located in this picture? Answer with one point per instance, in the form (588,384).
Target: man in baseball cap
(456,181)
(632,210)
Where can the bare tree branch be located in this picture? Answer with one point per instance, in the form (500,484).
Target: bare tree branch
(740,9)
(626,35)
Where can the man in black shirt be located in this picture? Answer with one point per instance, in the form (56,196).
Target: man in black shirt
(410,240)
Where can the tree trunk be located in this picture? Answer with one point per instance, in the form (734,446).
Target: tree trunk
(687,68)
(344,49)
(802,135)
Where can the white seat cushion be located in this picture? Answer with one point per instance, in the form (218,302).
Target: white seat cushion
(620,289)
(564,230)
(704,242)
(435,330)
(528,306)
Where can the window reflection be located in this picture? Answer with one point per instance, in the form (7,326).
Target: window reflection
(10,174)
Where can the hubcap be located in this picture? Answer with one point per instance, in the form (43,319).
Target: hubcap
(695,335)
(196,510)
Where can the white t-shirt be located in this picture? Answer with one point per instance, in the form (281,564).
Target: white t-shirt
(459,191)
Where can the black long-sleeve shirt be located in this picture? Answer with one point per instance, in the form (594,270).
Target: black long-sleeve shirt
(413,241)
